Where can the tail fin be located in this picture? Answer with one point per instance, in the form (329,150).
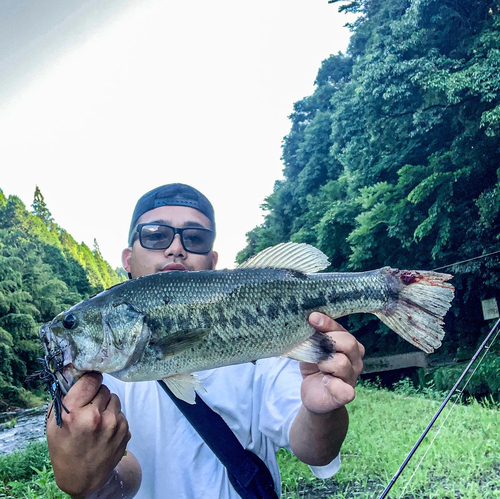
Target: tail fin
(417,316)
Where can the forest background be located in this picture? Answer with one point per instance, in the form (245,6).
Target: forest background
(393,160)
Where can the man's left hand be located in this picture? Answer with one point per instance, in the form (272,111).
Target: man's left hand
(329,385)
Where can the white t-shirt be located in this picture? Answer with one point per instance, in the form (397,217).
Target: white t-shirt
(258,402)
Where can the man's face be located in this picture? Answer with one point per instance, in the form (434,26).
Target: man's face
(140,261)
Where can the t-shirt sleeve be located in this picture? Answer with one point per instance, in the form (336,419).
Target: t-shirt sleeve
(327,471)
(279,386)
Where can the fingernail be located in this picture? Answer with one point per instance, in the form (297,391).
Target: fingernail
(316,319)
(326,380)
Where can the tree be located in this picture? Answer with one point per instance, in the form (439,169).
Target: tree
(393,160)
(40,209)
(43,271)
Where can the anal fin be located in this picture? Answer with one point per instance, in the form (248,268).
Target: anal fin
(184,386)
(316,348)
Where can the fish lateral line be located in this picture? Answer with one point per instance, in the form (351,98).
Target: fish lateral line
(159,325)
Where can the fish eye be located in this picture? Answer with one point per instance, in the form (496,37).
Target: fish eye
(69,322)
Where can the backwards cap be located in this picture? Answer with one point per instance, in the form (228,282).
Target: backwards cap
(171,195)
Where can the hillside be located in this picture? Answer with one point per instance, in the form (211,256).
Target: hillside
(43,271)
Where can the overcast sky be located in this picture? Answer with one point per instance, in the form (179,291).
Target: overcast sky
(101,101)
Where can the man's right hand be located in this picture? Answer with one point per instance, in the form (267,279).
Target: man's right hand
(92,440)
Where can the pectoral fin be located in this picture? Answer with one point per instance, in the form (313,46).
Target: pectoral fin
(174,343)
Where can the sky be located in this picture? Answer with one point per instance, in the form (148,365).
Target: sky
(102,101)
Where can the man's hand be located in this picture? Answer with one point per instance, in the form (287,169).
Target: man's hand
(330,385)
(320,426)
(92,440)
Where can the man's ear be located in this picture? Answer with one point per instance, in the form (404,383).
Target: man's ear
(126,256)
(215,258)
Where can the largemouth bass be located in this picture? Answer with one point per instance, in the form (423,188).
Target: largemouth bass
(169,325)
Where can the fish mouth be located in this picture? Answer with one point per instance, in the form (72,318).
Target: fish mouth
(45,337)
(57,359)
(67,378)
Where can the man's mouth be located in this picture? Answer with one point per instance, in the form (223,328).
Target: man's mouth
(173,266)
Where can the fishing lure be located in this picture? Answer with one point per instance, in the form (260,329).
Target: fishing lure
(52,364)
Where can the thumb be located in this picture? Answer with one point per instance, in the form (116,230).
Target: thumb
(323,323)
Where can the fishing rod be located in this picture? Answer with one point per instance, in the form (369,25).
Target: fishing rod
(483,346)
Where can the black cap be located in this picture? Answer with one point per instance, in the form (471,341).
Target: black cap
(171,195)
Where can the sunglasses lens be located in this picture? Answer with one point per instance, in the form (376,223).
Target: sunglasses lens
(197,240)
(156,236)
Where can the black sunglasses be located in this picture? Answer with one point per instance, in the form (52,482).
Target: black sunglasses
(157,236)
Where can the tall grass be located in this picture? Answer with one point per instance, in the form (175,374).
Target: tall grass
(463,462)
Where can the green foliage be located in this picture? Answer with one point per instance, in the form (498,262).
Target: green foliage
(17,466)
(42,272)
(10,424)
(484,383)
(28,474)
(40,209)
(393,160)
(383,427)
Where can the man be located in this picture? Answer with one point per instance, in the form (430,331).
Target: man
(270,404)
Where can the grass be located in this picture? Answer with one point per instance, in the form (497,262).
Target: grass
(10,424)
(463,462)
(28,474)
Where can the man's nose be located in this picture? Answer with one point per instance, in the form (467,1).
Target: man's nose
(176,249)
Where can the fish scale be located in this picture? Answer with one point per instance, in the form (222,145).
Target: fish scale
(277,328)
(168,325)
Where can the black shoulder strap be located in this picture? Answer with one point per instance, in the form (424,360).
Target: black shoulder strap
(247,473)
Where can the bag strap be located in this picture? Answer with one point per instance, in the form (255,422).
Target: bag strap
(247,473)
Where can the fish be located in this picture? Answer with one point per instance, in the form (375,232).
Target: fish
(169,325)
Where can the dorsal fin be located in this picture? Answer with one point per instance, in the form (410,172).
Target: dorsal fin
(300,257)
